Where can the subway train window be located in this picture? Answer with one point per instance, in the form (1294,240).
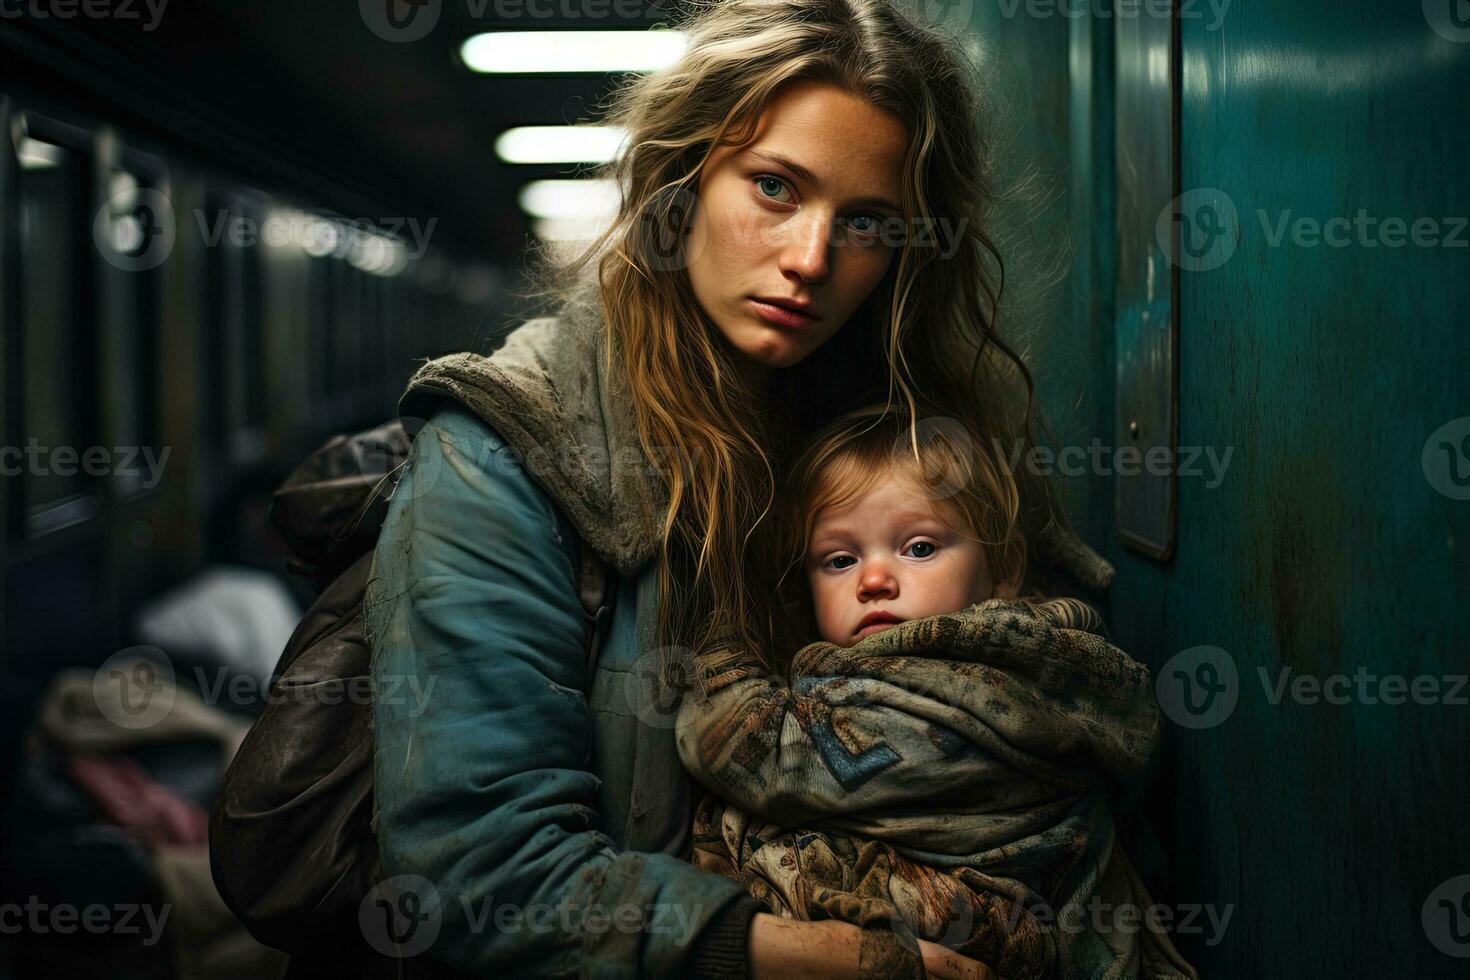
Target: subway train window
(236,355)
(734,488)
(323,317)
(58,328)
(347,336)
(127,227)
(354,338)
(374,311)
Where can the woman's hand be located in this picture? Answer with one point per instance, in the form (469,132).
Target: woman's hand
(828,950)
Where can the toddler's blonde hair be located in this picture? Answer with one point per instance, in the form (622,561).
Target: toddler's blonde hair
(975,492)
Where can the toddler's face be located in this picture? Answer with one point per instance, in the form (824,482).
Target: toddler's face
(886,558)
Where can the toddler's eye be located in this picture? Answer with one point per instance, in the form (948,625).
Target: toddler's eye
(929,545)
(838,561)
(769,187)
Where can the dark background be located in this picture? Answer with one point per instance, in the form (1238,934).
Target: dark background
(1327,549)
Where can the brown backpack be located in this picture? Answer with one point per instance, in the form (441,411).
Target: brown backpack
(291,841)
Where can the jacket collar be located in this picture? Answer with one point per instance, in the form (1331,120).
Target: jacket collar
(549,394)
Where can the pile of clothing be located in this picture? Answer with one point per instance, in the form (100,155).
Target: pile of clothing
(111,796)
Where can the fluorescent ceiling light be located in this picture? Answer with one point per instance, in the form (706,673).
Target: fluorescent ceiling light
(577,200)
(559,144)
(569,229)
(35,155)
(377,255)
(503,52)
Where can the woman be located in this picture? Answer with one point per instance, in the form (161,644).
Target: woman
(801,232)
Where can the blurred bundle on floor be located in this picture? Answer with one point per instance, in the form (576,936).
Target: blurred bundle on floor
(110,804)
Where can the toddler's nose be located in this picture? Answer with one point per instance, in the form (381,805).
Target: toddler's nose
(877,582)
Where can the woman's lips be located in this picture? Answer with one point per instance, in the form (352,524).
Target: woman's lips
(779,315)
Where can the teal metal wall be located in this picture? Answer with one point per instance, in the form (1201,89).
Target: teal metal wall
(1328,369)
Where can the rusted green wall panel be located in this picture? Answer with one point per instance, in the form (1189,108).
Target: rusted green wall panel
(1325,549)
(1324,370)
(1034,75)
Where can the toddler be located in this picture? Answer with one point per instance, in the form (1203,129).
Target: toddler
(893,529)
(938,766)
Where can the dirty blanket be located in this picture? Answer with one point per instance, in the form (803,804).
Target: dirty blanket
(945,778)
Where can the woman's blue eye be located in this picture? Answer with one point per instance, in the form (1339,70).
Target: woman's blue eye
(864,224)
(921,544)
(768,183)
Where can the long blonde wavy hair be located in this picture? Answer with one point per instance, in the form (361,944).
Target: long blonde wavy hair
(720,446)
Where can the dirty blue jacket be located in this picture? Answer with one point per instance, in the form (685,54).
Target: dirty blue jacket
(545,814)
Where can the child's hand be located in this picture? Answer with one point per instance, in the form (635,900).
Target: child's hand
(944,963)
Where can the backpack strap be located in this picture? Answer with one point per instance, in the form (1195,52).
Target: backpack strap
(592,582)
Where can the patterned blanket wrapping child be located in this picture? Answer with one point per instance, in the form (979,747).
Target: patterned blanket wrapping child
(944,778)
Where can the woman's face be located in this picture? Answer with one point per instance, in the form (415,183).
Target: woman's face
(796,219)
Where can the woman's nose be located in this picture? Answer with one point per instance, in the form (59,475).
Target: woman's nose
(805,254)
